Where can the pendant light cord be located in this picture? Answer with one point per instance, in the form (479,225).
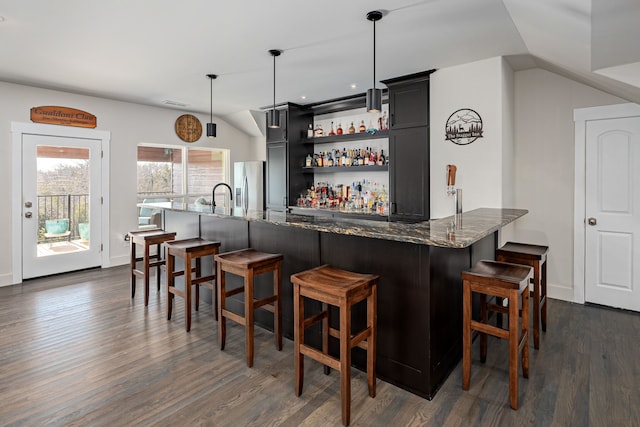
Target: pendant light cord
(374,55)
(211,100)
(274,83)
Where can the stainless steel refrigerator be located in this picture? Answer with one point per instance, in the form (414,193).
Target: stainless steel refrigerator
(248,183)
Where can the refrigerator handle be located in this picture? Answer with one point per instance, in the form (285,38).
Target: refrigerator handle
(245,190)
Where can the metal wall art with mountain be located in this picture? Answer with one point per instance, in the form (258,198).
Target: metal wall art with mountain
(463,126)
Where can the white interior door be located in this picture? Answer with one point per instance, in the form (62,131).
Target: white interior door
(612,242)
(61,197)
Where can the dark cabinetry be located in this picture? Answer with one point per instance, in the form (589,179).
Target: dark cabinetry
(409,147)
(285,157)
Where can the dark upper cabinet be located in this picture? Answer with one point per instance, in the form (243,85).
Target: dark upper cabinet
(276,176)
(409,174)
(408,101)
(285,157)
(409,147)
(278,134)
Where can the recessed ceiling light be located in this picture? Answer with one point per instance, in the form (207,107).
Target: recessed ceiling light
(303,97)
(354,86)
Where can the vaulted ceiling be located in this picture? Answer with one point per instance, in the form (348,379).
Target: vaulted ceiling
(158,52)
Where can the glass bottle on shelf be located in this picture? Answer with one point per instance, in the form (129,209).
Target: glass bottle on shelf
(362,127)
(319,132)
(308,161)
(381,160)
(385,121)
(310,131)
(352,128)
(339,130)
(343,158)
(331,131)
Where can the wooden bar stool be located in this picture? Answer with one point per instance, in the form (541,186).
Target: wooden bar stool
(188,250)
(147,238)
(342,289)
(249,263)
(504,280)
(534,256)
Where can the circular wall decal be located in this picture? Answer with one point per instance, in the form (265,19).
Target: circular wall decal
(463,126)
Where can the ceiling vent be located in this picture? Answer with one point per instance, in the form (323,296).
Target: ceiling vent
(174,103)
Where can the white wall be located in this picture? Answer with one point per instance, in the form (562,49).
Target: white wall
(485,87)
(129,124)
(544,166)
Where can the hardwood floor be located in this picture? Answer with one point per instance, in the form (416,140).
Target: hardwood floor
(76,350)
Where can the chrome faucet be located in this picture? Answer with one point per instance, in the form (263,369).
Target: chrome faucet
(213,193)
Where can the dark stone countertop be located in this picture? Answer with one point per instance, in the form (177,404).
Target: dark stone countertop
(471,226)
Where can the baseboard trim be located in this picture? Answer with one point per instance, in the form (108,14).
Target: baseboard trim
(560,292)
(6,279)
(119,260)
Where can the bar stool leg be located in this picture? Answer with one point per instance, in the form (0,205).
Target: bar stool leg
(543,316)
(513,348)
(187,292)
(326,324)
(298,338)
(345,362)
(146,275)
(466,336)
(170,283)
(536,305)
(277,307)
(483,336)
(158,274)
(248,315)
(222,305)
(198,274)
(526,305)
(133,267)
(371,340)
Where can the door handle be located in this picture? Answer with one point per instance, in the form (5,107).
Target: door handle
(592,221)
(28,204)
(27,215)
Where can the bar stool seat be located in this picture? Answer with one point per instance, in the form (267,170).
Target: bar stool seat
(147,238)
(189,250)
(342,289)
(534,256)
(248,263)
(498,279)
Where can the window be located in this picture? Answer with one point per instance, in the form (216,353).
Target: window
(167,173)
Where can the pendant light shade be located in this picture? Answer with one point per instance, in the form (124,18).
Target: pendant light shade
(211,127)
(273,116)
(374,96)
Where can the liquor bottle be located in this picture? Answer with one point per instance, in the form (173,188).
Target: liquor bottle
(310,131)
(349,159)
(362,127)
(352,129)
(331,131)
(385,121)
(329,160)
(381,160)
(320,160)
(372,157)
(366,157)
(339,130)
(309,160)
(319,132)
(356,158)
(361,158)
(343,158)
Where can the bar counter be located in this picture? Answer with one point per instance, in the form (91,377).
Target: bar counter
(446,233)
(419,264)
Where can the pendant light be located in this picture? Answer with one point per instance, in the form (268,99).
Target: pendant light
(374,96)
(211,127)
(273,116)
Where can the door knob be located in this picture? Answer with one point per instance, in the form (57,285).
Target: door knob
(592,221)
(27,214)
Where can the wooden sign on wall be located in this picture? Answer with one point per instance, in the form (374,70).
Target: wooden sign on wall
(63,116)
